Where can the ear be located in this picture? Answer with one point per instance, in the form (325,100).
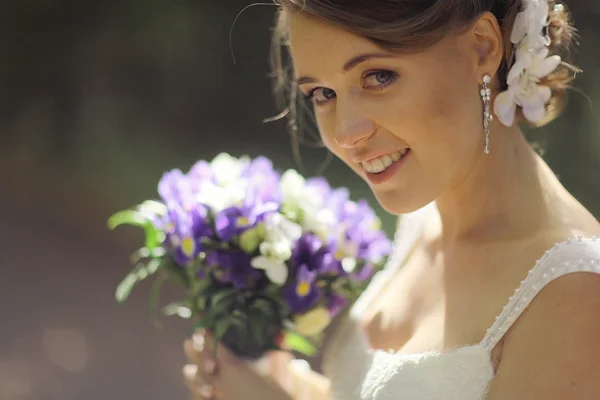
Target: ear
(487,45)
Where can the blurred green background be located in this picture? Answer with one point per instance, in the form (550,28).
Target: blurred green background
(97,100)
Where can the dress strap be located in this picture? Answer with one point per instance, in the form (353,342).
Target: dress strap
(575,255)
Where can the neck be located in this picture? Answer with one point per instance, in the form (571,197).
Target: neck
(501,197)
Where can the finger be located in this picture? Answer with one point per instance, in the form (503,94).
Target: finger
(200,389)
(189,377)
(191,352)
(280,361)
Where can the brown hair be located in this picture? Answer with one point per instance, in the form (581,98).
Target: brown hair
(407,26)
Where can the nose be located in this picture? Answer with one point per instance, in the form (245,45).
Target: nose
(353,128)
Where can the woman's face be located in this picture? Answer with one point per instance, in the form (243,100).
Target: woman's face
(409,125)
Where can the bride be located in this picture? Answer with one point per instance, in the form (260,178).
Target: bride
(493,290)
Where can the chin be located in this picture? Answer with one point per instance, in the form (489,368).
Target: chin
(399,203)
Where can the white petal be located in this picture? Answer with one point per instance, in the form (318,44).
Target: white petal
(534,113)
(519,28)
(538,17)
(544,67)
(262,262)
(505,108)
(516,70)
(292,185)
(542,54)
(226,168)
(536,96)
(544,94)
(277,274)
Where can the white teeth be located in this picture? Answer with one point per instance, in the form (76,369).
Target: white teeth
(379,164)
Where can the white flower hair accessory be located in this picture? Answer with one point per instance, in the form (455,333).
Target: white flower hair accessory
(532,63)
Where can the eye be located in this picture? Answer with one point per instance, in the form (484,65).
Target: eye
(321,95)
(379,78)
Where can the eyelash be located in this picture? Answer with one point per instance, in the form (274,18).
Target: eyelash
(393,77)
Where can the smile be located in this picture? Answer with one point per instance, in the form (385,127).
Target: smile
(380,164)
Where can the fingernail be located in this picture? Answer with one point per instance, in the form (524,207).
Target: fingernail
(190,370)
(207,391)
(199,342)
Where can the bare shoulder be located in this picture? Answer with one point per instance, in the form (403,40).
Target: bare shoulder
(553,349)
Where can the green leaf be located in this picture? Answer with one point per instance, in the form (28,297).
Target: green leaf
(126,286)
(178,309)
(129,217)
(153,207)
(264,306)
(220,330)
(222,301)
(176,273)
(139,273)
(300,344)
(153,266)
(257,323)
(152,236)
(207,322)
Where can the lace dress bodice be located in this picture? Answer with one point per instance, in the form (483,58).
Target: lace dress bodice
(358,372)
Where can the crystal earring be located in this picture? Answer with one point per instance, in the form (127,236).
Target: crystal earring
(486,95)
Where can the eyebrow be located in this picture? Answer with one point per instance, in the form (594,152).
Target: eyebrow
(353,62)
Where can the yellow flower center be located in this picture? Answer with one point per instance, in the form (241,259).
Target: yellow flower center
(376,225)
(303,289)
(339,254)
(188,246)
(243,221)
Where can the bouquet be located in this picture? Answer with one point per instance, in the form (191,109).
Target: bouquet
(266,259)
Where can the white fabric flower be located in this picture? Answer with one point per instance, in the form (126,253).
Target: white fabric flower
(524,90)
(532,63)
(529,24)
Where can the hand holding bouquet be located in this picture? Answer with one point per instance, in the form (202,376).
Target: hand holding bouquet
(266,260)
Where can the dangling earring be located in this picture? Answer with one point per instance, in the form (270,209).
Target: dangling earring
(486,94)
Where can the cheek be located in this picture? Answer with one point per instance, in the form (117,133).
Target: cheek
(447,110)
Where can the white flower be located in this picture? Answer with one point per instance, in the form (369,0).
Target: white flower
(227,169)
(292,186)
(298,195)
(524,90)
(219,198)
(281,235)
(280,228)
(531,65)
(272,261)
(529,24)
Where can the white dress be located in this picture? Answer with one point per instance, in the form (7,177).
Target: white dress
(358,372)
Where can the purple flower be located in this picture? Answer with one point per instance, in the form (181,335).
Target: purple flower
(311,252)
(263,182)
(319,187)
(302,293)
(233,221)
(336,303)
(233,266)
(200,173)
(181,239)
(362,237)
(175,187)
(337,201)
(365,273)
